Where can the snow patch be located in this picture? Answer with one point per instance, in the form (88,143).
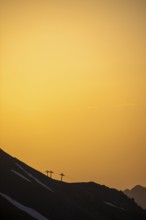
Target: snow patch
(113,205)
(26,209)
(30,175)
(20,175)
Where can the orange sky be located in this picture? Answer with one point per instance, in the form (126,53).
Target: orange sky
(72,88)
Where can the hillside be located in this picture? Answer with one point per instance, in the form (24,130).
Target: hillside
(26,193)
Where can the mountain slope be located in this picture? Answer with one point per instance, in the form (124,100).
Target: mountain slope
(139,194)
(26,193)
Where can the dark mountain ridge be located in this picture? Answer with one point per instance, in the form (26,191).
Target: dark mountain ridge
(25,193)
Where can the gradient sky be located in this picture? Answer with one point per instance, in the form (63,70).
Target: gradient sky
(73,88)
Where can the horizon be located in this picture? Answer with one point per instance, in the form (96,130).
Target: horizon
(72,88)
(68,179)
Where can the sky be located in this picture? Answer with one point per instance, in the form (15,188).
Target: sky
(72,88)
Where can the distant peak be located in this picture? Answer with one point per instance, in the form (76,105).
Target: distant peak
(138,187)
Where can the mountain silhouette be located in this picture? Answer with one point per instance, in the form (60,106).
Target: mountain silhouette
(139,194)
(27,194)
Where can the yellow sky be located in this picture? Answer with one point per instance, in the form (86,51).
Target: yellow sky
(72,88)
